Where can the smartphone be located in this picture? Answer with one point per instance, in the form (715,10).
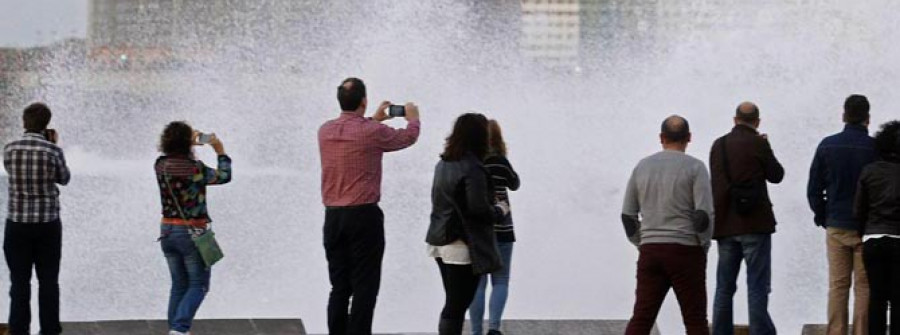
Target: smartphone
(204,138)
(397,111)
(49,134)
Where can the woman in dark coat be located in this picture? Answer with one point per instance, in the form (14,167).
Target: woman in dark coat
(461,234)
(878,209)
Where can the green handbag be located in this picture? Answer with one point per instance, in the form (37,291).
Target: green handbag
(206,242)
(208,247)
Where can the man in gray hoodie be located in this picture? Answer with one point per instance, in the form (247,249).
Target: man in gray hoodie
(668,215)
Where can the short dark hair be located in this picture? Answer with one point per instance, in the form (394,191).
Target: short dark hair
(36,117)
(675,128)
(470,134)
(177,139)
(856,109)
(751,115)
(887,141)
(351,93)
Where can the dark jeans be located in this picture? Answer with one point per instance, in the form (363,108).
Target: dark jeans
(756,250)
(190,277)
(460,283)
(664,266)
(354,247)
(38,246)
(882,259)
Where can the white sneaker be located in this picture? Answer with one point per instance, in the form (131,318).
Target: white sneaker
(175,332)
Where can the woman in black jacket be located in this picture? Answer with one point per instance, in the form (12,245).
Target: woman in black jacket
(461,234)
(878,209)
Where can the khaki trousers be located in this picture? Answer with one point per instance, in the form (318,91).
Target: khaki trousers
(845,266)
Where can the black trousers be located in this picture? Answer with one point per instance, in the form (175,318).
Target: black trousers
(460,284)
(882,259)
(38,246)
(354,247)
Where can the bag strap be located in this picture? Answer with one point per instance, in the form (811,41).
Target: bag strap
(171,192)
(725,160)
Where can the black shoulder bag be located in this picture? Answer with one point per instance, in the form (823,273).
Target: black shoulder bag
(743,197)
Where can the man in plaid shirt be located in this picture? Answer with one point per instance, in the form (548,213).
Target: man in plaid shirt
(35,165)
(351,149)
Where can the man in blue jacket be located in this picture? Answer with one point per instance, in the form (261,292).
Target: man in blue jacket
(838,162)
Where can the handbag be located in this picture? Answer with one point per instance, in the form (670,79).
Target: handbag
(744,197)
(205,242)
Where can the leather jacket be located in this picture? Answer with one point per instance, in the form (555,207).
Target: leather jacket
(877,199)
(462,209)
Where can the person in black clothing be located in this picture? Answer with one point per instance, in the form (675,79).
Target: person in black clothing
(877,207)
(504,178)
(461,234)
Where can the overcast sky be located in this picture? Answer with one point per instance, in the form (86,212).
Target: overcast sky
(34,22)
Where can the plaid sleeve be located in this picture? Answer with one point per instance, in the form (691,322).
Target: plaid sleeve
(62,170)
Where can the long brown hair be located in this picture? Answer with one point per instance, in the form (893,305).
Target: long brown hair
(470,134)
(495,138)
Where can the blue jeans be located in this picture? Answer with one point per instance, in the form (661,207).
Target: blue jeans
(756,251)
(190,277)
(499,292)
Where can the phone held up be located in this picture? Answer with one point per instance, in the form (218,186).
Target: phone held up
(203,138)
(396,111)
(49,134)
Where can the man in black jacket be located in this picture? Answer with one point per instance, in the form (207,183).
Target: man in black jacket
(740,164)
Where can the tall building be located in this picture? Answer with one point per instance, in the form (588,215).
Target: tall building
(551,31)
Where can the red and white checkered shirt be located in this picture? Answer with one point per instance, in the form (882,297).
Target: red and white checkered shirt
(351,148)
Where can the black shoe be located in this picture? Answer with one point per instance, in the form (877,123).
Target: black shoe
(494,332)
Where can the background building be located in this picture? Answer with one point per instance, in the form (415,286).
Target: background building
(551,31)
(170,32)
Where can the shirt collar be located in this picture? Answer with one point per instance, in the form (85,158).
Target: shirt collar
(35,135)
(350,115)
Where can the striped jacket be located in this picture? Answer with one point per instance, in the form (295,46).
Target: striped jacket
(504,179)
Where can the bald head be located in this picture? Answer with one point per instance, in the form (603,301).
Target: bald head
(747,112)
(676,129)
(351,94)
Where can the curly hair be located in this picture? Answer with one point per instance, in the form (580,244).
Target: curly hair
(887,141)
(470,134)
(177,139)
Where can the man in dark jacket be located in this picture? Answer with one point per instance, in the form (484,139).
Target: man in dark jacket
(740,164)
(836,167)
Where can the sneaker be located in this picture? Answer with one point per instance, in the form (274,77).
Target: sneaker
(494,332)
(175,332)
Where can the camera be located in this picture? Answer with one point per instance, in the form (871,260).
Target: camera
(396,111)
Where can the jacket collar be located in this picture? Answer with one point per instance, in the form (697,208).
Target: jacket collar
(856,127)
(744,128)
